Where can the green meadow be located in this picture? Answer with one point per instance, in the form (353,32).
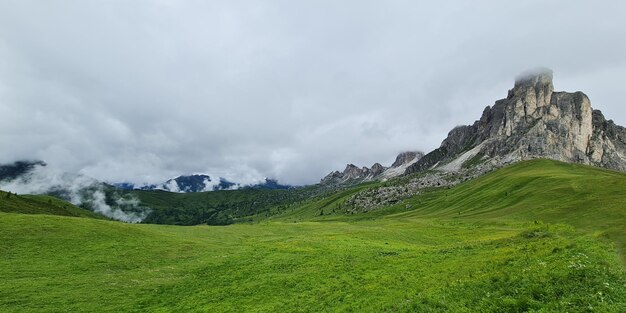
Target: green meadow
(538,236)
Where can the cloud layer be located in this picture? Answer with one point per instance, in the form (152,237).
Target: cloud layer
(143,91)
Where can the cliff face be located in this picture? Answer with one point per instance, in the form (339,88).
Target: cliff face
(533,122)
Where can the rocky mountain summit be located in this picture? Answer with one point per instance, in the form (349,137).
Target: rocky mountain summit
(533,121)
(406,158)
(353,174)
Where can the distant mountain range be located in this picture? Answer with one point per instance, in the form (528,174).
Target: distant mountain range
(354,175)
(181,184)
(202,183)
(191,183)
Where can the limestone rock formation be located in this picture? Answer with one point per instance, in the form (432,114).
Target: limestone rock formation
(377,169)
(533,121)
(406,157)
(354,175)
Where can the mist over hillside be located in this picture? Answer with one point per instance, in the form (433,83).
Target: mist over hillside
(36,178)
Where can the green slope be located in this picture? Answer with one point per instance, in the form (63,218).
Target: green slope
(221,207)
(56,264)
(553,191)
(329,207)
(589,198)
(36,204)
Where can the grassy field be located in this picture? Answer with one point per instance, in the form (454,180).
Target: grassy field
(55,264)
(535,237)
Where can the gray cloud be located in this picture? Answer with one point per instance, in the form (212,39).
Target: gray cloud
(143,91)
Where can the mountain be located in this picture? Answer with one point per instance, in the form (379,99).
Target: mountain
(354,175)
(202,183)
(533,121)
(269,184)
(196,183)
(185,183)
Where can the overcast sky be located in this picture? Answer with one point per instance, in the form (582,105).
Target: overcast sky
(142,91)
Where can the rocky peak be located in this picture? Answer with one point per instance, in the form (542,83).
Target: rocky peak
(534,78)
(532,90)
(353,174)
(377,169)
(532,122)
(406,157)
(332,177)
(350,168)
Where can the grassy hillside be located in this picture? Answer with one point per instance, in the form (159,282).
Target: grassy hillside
(526,238)
(545,189)
(591,199)
(222,207)
(315,208)
(52,264)
(31,204)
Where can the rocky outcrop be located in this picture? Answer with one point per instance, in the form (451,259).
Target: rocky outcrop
(533,121)
(351,174)
(608,143)
(377,169)
(354,175)
(406,157)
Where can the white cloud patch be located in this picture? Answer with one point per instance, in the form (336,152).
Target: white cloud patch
(210,184)
(171,186)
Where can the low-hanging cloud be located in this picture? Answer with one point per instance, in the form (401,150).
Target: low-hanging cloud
(80,190)
(143,91)
(97,201)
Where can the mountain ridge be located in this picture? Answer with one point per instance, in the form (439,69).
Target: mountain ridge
(352,174)
(202,183)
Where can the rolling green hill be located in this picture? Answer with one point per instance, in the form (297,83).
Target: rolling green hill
(526,238)
(585,196)
(591,199)
(37,204)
